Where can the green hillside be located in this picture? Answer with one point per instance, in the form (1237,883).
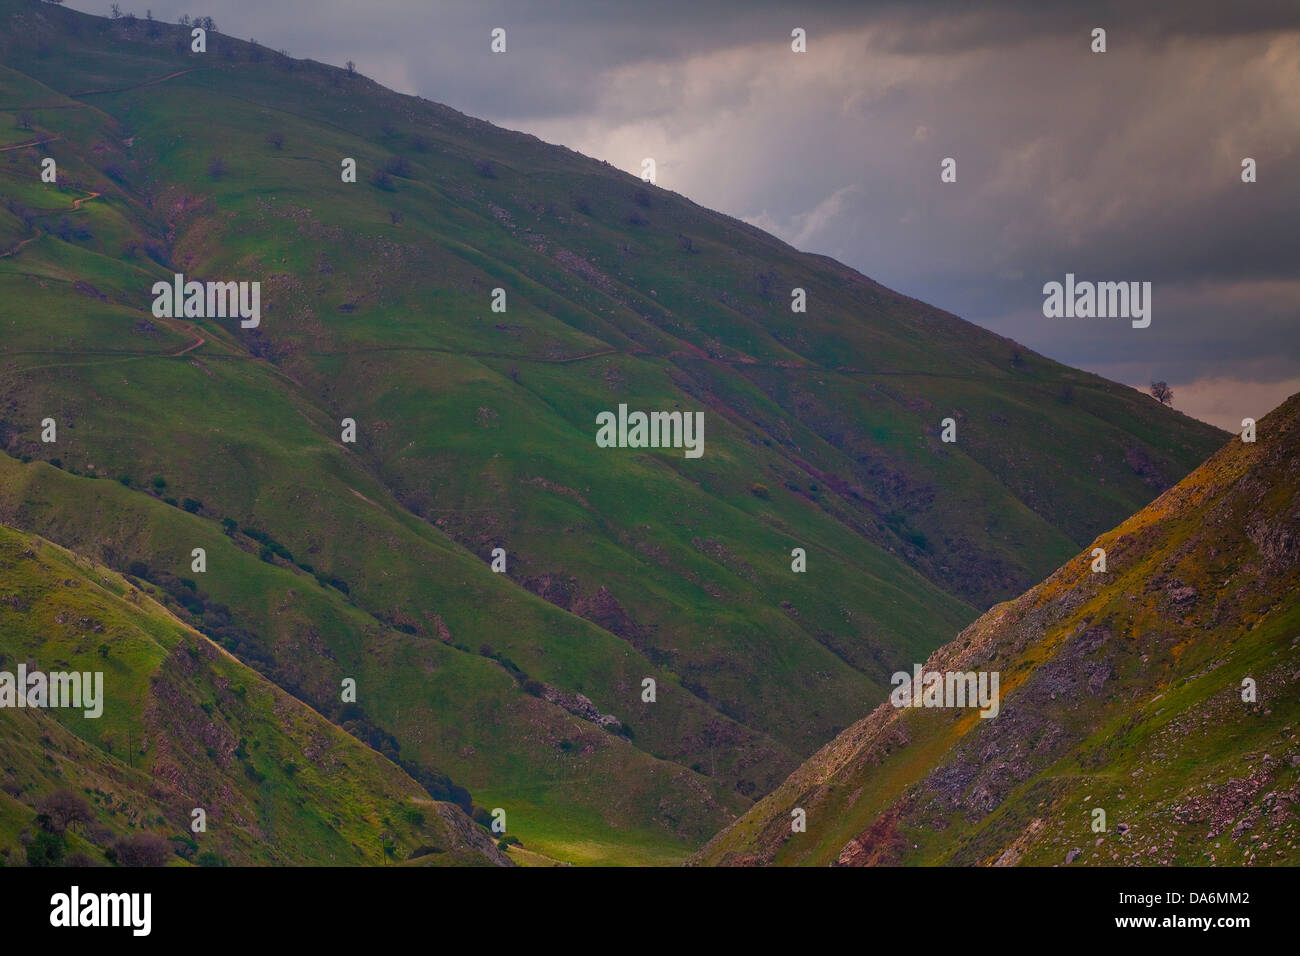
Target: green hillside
(183,726)
(1125,692)
(476,430)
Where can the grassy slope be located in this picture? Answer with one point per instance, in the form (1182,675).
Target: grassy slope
(1120,691)
(186,725)
(424,690)
(475,429)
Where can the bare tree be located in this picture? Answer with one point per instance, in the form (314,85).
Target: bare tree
(1163,393)
(63,808)
(351,68)
(712,735)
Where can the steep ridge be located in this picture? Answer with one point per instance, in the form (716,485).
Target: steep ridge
(1164,692)
(182,725)
(475,430)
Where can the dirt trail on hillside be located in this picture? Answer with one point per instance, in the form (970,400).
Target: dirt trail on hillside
(35,142)
(76,207)
(135,86)
(189,348)
(473,353)
(18,247)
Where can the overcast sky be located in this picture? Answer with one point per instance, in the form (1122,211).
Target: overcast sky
(1117,166)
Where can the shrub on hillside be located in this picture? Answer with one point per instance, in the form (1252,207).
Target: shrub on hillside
(141,849)
(46,849)
(184,847)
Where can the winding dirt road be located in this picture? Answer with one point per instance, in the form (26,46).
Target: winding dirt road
(76,207)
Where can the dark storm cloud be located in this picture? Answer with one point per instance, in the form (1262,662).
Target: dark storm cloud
(1117,166)
(922,26)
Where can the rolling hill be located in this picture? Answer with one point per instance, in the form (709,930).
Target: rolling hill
(1164,693)
(183,726)
(475,430)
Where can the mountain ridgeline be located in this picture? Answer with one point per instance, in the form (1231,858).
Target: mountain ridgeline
(396,473)
(1150,713)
